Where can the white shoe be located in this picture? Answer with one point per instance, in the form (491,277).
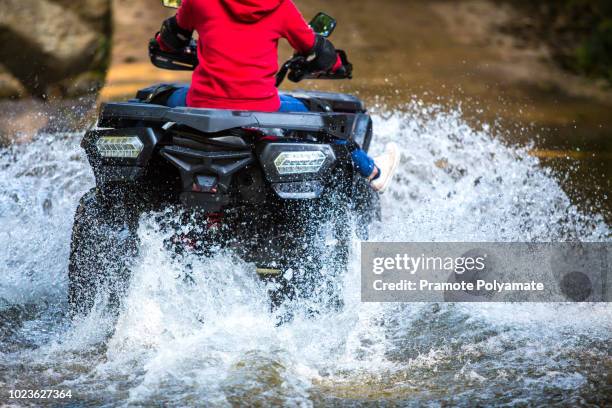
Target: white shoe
(387,165)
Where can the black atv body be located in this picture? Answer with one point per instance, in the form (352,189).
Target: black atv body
(272,187)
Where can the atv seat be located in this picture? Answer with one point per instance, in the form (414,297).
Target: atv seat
(315,100)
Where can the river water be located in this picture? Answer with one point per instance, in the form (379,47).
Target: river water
(214,342)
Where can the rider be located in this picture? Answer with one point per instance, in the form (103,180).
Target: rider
(238,54)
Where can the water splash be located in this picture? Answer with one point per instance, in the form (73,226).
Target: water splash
(212,339)
(39,189)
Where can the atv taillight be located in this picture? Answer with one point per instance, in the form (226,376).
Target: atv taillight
(128,147)
(301,162)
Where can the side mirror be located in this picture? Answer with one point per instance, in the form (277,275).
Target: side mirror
(171,3)
(323,24)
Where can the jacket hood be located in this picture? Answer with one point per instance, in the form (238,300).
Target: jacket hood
(250,11)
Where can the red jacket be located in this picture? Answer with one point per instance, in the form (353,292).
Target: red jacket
(238,50)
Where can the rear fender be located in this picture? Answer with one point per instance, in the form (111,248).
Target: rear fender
(362,131)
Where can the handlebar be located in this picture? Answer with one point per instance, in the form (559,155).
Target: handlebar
(296,68)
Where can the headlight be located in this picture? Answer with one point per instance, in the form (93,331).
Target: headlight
(299,162)
(128,147)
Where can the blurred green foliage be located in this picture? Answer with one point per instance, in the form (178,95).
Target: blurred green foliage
(594,53)
(578,32)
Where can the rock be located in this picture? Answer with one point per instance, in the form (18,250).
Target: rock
(96,13)
(10,87)
(46,44)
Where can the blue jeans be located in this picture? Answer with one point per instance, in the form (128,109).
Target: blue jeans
(363,163)
(291,104)
(178,99)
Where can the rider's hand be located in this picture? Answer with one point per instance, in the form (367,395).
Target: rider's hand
(338,65)
(162,44)
(342,67)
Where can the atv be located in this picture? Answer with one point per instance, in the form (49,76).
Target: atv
(276,189)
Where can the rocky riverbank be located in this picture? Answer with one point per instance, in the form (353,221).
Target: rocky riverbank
(54,48)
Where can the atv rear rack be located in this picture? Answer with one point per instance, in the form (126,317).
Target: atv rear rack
(127,114)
